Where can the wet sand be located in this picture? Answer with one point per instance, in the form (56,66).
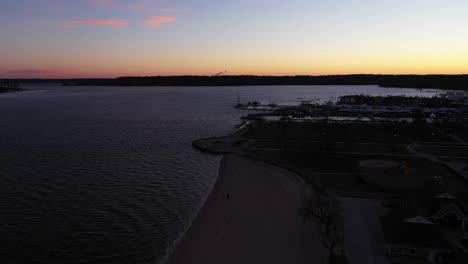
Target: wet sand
(251,216)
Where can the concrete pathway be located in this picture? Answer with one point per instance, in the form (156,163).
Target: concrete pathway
(364,242)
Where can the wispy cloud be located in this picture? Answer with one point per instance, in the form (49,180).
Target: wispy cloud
(96,22)
(37,72)
(158,21)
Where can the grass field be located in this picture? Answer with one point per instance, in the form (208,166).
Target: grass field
(330,153)
(361,132)
(455,151)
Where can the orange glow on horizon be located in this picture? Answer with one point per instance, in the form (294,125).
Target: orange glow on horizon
(111,38)
(109,22)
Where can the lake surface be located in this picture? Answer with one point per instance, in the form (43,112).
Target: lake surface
(108,174)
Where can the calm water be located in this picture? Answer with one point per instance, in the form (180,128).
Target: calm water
(108,174)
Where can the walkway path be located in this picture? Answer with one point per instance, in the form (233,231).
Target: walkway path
(364,242)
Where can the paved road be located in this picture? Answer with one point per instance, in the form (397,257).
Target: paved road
(337,152)
(450,135)
(364,243)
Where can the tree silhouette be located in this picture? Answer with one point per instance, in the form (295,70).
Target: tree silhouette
(324,208)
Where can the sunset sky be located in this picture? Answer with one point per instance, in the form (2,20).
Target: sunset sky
(110,38)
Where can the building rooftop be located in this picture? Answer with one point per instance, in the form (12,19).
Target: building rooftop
(416,231)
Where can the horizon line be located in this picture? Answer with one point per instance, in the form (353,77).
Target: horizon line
(238,75)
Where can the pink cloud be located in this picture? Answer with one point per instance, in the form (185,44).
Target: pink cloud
(94,22)
(158,21)
(38,73)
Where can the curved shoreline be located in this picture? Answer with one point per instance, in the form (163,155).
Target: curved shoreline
(175,244)
(251,216)
(185,233)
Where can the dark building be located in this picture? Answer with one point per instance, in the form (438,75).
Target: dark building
(442,207)
(426,229)
(414,237)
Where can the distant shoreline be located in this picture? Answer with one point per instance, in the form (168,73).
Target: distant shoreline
(445,82)
(10,90)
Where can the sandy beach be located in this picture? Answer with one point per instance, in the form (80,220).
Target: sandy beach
(251,216)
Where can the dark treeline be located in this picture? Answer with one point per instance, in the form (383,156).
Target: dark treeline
(8,85)
(459,82)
